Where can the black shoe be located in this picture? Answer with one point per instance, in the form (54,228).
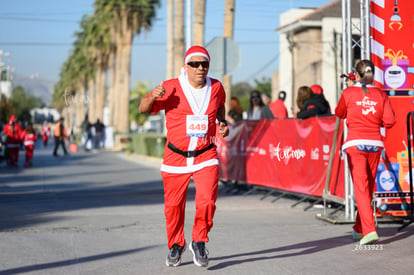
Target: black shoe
(199,253)
(174,257)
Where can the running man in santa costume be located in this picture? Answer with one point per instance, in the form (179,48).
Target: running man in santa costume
(366,109)
(193,103)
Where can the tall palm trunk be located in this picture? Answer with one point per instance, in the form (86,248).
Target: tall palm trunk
(123,79)
(199,22)
(116,92)
(111,89)
(92,100)
(170,39)
(178,37)
(229,33)
(80,105)
(123,73)
(100,90)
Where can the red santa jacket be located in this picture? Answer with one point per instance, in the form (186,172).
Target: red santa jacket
(366,113)
(181,110)
(278,108)
(13,133)
(28,139)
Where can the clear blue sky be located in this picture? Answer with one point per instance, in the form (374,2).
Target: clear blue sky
(39,34)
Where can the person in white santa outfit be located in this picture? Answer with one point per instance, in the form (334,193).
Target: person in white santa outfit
(193,103)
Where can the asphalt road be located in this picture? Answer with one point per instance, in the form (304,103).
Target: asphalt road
(102,213)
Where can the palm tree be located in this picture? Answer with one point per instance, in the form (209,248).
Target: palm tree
(76,77)
(100,49)
(95,40)
(170,40)
(127,17)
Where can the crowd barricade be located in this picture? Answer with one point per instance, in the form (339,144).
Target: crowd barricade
(290,155)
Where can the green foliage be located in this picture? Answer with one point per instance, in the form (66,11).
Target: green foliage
(6,109)
(22,103)
(141,89)
(264,86)
(242,91)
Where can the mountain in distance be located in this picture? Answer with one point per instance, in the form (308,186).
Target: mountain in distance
(35,86)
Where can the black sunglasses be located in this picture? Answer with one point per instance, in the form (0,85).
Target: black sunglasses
(196,64)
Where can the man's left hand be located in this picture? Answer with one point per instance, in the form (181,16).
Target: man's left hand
(223,129)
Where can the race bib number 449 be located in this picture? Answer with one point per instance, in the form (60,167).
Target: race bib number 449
(197,126)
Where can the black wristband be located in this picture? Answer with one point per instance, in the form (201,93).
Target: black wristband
(224,121)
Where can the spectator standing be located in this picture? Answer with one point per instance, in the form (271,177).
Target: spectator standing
(278,106)
(257,109)
(192,103)
(99,134)
(29,138)
(86,128)
(310,105)
(366,109)
(60,137)
(235,112)
(13,131)
(318,92)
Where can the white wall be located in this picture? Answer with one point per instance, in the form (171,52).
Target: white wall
(285,57)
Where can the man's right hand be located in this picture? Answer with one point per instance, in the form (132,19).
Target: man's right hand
(159,91)
(146,103)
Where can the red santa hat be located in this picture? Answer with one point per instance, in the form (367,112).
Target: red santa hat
(316,89)
(196,51)
(12,119)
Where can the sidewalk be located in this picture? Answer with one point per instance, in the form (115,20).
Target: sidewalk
(102,213)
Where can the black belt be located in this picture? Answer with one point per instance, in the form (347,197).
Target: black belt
(189,154)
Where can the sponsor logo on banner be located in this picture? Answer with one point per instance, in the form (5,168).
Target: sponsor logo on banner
(315,154)
(326,150)
(286,154)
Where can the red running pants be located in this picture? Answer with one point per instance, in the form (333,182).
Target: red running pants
(13,155)
(29,153)
(175,195)
(363,167)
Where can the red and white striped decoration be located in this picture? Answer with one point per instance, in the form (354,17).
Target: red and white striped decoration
(392,40)
(378,35)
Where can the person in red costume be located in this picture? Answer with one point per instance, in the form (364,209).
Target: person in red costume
(45,133)
(193,103)
(12,130)
(29,139)
(366,109)
(278,106)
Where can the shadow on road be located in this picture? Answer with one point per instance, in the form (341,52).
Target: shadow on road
(304,248)
(37,267)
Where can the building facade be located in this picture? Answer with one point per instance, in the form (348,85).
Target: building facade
(310,50)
